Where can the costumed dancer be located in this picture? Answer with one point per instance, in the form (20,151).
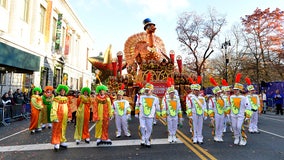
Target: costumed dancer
(102,113)
(226,96)
(122,111)
(171,109)
(254,102)
(196,110)
(149,108)
(83,116)
(240,112)
(216,112)
(47,99)
(72,98)
(59,117)
(36,107)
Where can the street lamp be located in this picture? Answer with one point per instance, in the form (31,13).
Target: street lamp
(224,46)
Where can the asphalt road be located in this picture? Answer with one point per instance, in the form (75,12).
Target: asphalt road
(16,142)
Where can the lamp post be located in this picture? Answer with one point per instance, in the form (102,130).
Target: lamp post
(224,46)
(179,63)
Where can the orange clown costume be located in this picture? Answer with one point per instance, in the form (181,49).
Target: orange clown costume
(59,117)
(36,106)
(240,111)
(83,116)
(47,99)
(102,113)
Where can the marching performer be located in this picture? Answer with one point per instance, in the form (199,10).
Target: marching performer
(171,109)
(83,116)
(102,113)
(196,110)
(254,102)
(47,99)
(36,106)
(122,111)
(226,96)
(217,108)
(59,117)
(240,112)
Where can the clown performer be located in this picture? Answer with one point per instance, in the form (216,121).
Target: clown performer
(59,117)
(171,109)
(216,112)
(226,96)
(240,111)
(83,116)
(149,107)
(102,113)
(72,98)
(47,99)
(196,110)
(36,107)
(122,112)
(254,103)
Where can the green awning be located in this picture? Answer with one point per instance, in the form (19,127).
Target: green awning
(13,59)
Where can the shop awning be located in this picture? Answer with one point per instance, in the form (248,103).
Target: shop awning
(16,60)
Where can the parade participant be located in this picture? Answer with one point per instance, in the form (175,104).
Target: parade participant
(59,117)
(72,98)
(171,109)
(83,116)
(47,99)
(148,108)
(196,110)
(226,96)
(102,113)
(240,111)
(122,112)
(36,106)
(254,103)
(93,97)
(217,108)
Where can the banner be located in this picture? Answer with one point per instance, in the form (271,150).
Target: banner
(58,32)
(47,22)
(160,88)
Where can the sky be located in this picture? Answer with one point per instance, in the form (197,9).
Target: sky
(113,21)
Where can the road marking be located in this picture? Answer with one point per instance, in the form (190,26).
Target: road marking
(116,143)
(273,118)
(13,134)
(277,135)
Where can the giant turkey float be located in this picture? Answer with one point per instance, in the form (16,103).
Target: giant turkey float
(144,55)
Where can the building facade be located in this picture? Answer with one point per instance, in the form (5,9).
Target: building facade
(42,43)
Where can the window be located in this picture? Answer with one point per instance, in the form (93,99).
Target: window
(54,26)
(26,10)
(42,18)
(3,3)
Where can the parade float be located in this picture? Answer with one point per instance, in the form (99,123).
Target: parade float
(144,54)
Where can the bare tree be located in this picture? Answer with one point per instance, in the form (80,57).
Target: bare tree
(197,34)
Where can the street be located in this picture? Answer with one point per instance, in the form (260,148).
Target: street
(17,143)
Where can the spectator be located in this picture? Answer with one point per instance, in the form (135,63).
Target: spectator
(6,100)
(18,97)
(278,100)
(10,94)
(264,100)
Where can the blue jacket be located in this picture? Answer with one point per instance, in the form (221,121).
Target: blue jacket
(278,98)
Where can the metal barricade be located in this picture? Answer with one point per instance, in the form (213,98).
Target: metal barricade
(5,114)
(27,111)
